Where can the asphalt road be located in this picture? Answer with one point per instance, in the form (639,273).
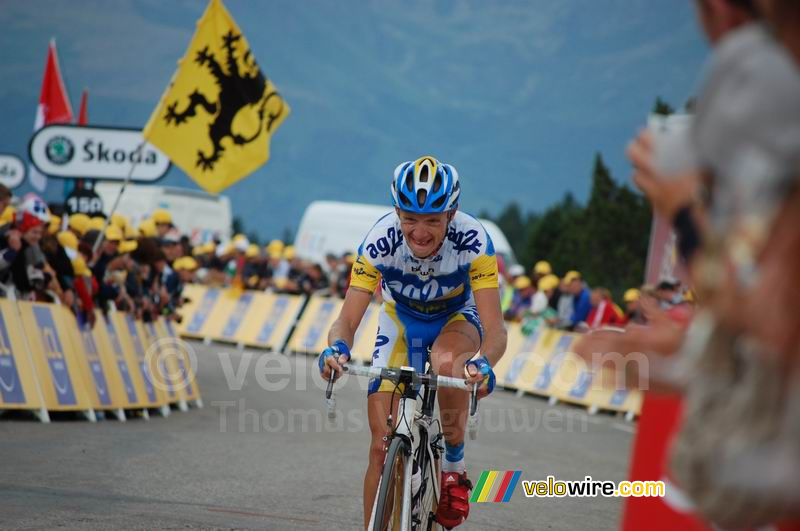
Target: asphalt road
(258,457)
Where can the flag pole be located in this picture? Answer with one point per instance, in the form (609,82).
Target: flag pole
(101,236)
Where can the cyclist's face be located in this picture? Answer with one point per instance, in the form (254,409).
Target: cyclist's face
(424,233)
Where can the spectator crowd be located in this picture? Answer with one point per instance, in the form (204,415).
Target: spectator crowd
(88,263)
(143,269)
(569,303)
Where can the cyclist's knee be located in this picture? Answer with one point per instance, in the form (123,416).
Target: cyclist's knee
(449,363)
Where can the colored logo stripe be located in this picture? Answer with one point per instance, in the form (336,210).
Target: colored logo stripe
(477,491)
(495,486)
(487,487)
(509,485)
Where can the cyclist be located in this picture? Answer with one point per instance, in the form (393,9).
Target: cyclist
(437,271)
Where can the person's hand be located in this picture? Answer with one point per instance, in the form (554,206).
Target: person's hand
(332,359)
(479,370)
(667,194)
(14,239)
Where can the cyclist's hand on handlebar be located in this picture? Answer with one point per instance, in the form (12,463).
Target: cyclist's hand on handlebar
(479,370)
(332,359)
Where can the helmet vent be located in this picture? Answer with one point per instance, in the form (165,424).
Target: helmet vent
(437,183)
(409,182)
(423,173)
(422,195)
(439,202)
(404,201)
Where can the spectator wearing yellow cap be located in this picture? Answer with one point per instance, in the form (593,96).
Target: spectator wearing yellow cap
(108,291)
(297,270)
(120,220)
(255,268)
(79,224)
(540,312)
(59,259)
(97,223)
(163,221)
(540,269)
(633,307)
(55,224)
(85,287)
(186,267)
(279,264)
(8,215)
(523,298)
(147,228)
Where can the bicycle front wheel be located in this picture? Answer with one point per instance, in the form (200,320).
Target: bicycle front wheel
(389,505)
(426,500)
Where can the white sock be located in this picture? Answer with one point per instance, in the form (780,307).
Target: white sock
(454,466)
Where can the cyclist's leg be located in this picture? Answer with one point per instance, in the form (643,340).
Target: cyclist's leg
(458,341)
(390,351)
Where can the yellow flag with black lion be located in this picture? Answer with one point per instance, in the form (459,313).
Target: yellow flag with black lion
(217,116)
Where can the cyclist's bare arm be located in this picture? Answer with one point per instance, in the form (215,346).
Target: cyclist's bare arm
(487,301)
(344,328)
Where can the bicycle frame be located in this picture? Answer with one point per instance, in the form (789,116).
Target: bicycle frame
(407,418)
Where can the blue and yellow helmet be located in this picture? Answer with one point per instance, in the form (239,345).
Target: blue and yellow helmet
(425,186)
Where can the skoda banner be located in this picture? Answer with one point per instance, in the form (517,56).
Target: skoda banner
(12,170)
(80,152)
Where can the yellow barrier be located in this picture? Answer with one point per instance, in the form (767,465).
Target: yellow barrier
(187,364)
(97,365)
(57,366)
(252,318)
(197,315)
(508,369)
(540,363)
(192,296)
(129,337)
(311,333)
(50,362)
(19,387)
(163,364)
(269,321)
(120,379)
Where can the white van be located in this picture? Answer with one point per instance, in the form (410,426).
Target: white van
(195,213)
(332,227)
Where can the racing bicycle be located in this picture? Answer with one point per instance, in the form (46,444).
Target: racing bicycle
(408,490)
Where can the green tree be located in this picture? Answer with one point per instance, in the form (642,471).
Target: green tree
(662,107)
(606,240)
(512,224)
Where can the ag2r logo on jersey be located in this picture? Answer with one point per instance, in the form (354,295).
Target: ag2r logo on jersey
(464,241)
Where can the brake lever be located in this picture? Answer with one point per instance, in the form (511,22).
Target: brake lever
(473,403)
(474,417)
(330,399)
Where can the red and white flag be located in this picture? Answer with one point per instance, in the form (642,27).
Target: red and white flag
(53,108)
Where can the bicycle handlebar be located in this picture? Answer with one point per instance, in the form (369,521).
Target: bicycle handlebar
(394,374)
